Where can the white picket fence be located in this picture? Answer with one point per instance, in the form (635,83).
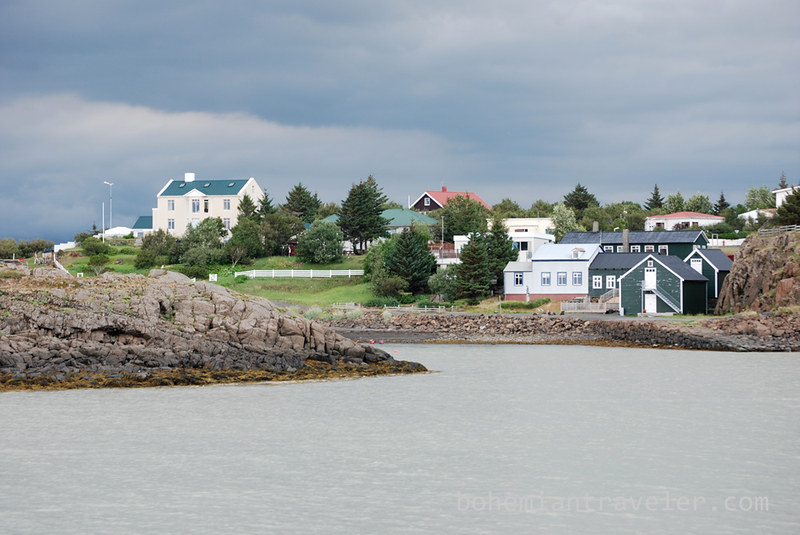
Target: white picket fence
(300,273)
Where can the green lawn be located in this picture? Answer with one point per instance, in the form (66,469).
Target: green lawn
(322,292)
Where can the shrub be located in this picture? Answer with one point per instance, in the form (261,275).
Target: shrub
(197,272)
(355,313)
(377,302)
(92,246)
(313,313)
(241,279)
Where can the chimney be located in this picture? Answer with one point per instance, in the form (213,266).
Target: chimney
(596,227)
(188,177)
(626,241)
(444,189)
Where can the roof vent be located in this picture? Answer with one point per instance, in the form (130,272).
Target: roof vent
(230,184)
(182,185)
(206,184)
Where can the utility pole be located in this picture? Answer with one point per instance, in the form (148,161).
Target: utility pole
(110,204)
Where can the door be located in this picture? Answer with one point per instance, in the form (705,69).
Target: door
(650,303)
(697,264)
(649,278)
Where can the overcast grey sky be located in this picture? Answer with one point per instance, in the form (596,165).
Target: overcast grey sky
(517,99)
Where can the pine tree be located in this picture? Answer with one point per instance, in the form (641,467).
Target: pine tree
(655,201)
(783,183)
(721,205)
(579,200)
(500,248)
(472,273)
(247,208)
(411,259)
(301,203)
(265,206)
(788,213)
(360,216)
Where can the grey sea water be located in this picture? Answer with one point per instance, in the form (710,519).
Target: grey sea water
(503,439)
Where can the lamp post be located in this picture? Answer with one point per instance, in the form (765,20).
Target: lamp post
(110,203)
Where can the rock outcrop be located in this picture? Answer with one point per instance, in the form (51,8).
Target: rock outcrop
(137,325)
(765,275)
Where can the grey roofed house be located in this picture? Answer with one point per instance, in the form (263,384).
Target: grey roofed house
(606,269)
(634,236)
(714,264)
(662,283)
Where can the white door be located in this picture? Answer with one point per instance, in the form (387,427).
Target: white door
(650,278)
(650,303)
(697,264)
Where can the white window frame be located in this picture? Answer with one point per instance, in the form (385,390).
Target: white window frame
(171,205)
(664,248)
(577,278)
(611,282)
(518,278)
(227,222)
(649,248)
(170,224)
(608,248)
(636,248)
(195,206)
(561,278)
(619,248)
(597,282)
(226,204)
(546,279)
(426,201)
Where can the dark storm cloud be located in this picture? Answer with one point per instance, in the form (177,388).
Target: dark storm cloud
(510,99)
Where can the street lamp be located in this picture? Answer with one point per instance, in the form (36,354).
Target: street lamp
(110,204)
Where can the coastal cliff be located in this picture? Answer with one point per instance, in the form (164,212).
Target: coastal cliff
(131,330)
(765,275)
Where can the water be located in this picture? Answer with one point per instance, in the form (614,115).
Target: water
(505,439)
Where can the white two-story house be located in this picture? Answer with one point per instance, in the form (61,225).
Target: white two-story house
(557,271)
(181,203)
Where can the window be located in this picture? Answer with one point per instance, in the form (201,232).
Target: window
(619,248)
(205,205)
(546,278)
(649,263)
(195,206)
(562,278)
(649,248)
(426,201)
(663,249)
(170,224)
(597,282)
(611,281)
(171,205)
(226,204)
(227,222)
(517,279)
(636,248)
(577,278)
(608,248)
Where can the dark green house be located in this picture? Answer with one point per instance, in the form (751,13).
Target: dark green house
(674,242)
(712,263)
(662,284)
(606,269)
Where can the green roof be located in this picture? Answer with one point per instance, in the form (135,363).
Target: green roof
(145,222)
(179,188)
(398,217)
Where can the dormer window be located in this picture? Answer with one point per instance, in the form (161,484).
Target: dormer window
(206,184)
(182,185)
(576,253)
(230,184)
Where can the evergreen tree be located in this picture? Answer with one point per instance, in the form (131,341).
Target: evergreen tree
(699,203)
(507,208)
(245,242)
(472,274)
(788,213)
(579,200)
(247,208)
(277,230)
(540,208)
(783,183)
(675,203)
(721,205)
(462,217)
(655,201)
(328,209)
(360,216)
(265,207)
(500,248)
(301,203)
(411,259)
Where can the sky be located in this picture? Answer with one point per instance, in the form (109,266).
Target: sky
(508,99)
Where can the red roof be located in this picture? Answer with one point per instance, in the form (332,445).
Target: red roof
(442,197)
(685,215)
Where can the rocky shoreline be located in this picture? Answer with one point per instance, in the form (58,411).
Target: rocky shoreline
(745,332)
(129,330)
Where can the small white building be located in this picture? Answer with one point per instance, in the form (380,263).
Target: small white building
(529,233)
(557,271)
(781,194)
(681,221)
